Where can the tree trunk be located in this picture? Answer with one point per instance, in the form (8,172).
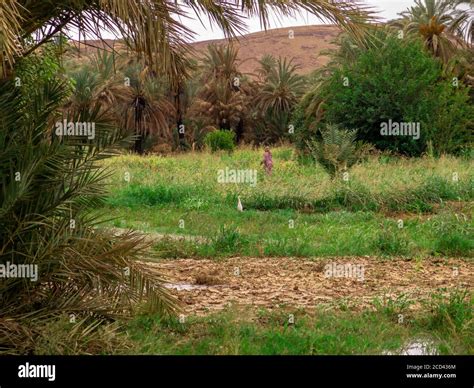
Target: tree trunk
(239,131)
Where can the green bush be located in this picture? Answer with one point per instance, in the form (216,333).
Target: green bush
(228,240)
(337,151)
(220,140)
(400,82)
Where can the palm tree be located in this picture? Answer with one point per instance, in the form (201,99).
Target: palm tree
(139,103)
(466,19)
(147,110)
(337,150)
(267,65)
(279,93)
(108,70)
(282,89)
(223,97)
(98,85)
(220,62)
(49,187)
(443,26)
(220,104)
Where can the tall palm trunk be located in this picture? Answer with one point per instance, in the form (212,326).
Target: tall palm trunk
(178,99)
(139,106)
(239,131)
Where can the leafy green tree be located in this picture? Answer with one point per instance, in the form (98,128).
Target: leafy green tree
(402,83)
(220,140)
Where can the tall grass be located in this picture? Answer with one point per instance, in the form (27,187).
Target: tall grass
(403,185)
(357,217)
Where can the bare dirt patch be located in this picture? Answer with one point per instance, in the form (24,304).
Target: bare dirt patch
(302,283)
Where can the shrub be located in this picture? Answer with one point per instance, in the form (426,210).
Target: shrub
(220,140)
(400,82)
(352,196)
(337,151)
(392,307)
(228,240)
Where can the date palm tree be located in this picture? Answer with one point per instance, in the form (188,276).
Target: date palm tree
(147,111)
(279,93)
(49,187)
(266,65)
(442,24)
(282,88)
(223,98)
(337,150)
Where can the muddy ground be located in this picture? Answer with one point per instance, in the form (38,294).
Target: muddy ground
(205,286)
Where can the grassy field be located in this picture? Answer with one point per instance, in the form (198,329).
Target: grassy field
(298,211)
(444,328)
(388,208)
(308,332)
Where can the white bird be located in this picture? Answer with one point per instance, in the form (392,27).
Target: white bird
(240,208)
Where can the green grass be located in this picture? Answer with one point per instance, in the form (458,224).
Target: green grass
(317,332)
(447,322)
(291,233)
(402,184)
(298,211)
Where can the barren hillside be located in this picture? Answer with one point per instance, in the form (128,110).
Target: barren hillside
(304,44)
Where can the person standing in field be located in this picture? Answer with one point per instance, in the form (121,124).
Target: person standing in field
(267,161)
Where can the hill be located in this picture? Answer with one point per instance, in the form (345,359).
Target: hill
(304,44)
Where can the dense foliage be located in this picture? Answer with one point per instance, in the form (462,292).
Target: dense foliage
(397,82)
(220,140)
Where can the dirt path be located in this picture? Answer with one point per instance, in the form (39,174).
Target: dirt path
(204,286)
(153,237)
